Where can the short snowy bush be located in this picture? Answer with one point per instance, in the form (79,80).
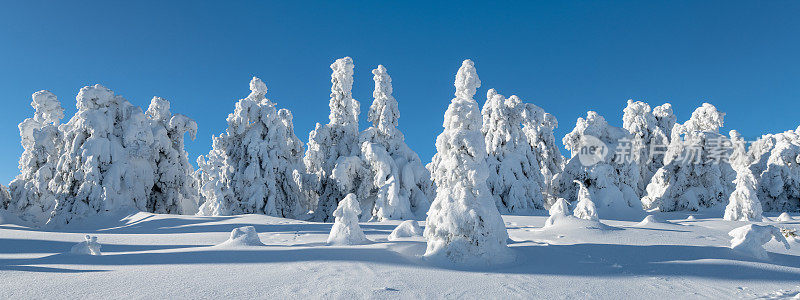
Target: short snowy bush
(243,236)
(409,228)
(750,239)
(88,247)
(345,230)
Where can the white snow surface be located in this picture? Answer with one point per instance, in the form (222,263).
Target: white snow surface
(174,256)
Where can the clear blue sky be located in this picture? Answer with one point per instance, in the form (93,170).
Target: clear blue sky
(567,57)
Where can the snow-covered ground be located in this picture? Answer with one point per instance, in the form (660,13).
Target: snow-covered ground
(172,256)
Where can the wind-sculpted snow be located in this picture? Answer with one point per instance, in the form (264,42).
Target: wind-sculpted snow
(697,172)
(255,166)
(463,225)
(750,239)
(612,179)
(515,181)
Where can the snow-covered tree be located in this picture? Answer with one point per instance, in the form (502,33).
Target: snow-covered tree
(335,146)
(345,229)
(612,178)
(174,190)
(255,166)
(107,164)
(774,160)
(585,208)
(41,141)
(696,172)
(515,180)
(647,135)
(401,186)
(743,204)
(538,127)
(665,118)
(463,224)
(5,197)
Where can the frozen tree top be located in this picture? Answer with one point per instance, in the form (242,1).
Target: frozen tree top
(705,118)
(48,109)
(258,87)
(467,81)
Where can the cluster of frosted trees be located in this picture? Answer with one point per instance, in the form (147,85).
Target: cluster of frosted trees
(112,157)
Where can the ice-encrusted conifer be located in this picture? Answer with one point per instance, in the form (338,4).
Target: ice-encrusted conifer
(5,197)
(649,139)
(538,127)
(41,140)
(774,160)
(255,166)
(611,179)
(697,172)
(402,185)
(174,190)
(332,154)
(107,163)
(743,204)
(515,180)
(463,225)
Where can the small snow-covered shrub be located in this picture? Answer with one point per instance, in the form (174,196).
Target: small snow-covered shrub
(651,219)
(464,226)
(559,209)
(784,217)
(743,204)
(585,208)
(243,236)
(409,228)
(750,239)
(345,230)
(88,247)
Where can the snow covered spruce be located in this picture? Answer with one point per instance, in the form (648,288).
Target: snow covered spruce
(109,158)
(255,166)
(345,229)
(463,225)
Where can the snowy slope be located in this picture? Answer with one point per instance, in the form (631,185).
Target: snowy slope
(172,256)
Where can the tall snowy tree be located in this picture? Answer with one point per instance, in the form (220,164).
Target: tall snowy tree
(41,141)
(402,184)
(255,166)
(463,224)
(774,160)
(649,138)
(612,179)
(515,180)
(332,153)
(174,190)
(107,163)
(697,172)
(538,127)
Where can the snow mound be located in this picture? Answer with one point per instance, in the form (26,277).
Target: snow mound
(345,230)
(243,236)
(88,247)
(568,222)
(784,217)
(651,219)
(409,228)
(750,239)
(691,218)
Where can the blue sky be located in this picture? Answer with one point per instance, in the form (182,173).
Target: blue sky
(567,57)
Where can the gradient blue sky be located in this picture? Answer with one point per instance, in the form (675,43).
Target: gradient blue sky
(567,57)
